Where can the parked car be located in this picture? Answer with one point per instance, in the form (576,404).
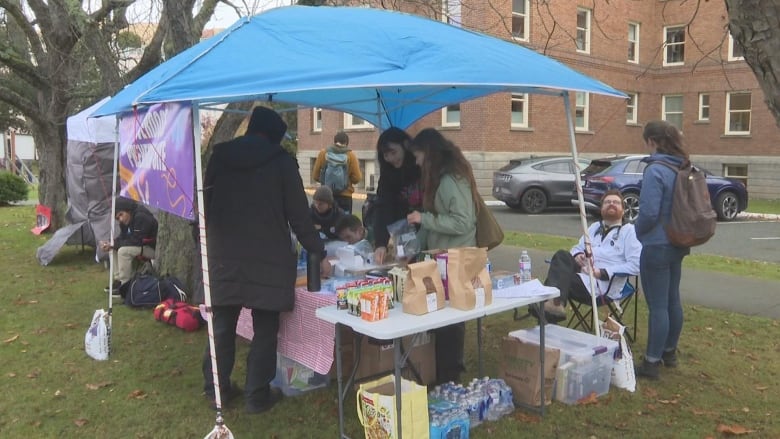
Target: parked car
(535,183)
(728,195)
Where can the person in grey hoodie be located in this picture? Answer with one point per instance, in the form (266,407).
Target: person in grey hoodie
(660,263)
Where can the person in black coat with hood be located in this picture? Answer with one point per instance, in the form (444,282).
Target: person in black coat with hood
(254,198)
(398,191)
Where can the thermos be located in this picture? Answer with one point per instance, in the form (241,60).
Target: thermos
(313,271)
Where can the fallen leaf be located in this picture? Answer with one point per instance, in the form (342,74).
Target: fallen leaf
(750,356)
(80,422)
(11,374)
(667,401)
(761,388)
(34,374)
(97,386)
(526,417)
(736,333)
(746,409)
(70,325)
(58,394)
(137,394)
(590,399)
(733,429)
(11,340)
(650,392)
(32,302)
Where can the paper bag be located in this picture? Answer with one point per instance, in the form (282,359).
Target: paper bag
(423,290)
(468,279)
(377,412)
(96,338)
(521,370)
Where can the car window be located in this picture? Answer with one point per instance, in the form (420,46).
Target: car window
(555,167)
(512,165)
(596,166)
(635,167)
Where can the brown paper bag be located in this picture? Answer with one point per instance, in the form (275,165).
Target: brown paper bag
(469,282)
(423,290)
(520,368)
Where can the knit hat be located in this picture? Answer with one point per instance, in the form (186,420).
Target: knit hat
(267,121)
(324,194)
(125,205)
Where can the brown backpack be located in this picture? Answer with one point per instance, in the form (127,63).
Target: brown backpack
(692,221)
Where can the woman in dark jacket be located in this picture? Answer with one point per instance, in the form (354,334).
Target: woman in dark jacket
(398,191)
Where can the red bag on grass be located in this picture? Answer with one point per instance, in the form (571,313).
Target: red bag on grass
(179,314)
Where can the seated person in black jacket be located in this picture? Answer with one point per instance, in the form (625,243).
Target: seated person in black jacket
(325,213)
(137,236)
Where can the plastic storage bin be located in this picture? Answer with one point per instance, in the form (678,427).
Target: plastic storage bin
(294,378)
(586,361)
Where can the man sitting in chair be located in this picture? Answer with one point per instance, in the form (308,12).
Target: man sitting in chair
(615,250)
(137,237)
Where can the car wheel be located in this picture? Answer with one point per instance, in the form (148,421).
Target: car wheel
(727,206)
(630,207)
(534,200)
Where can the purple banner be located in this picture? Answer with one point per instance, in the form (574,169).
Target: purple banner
(157,159)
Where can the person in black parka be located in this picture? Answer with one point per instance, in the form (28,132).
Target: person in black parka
(254,198)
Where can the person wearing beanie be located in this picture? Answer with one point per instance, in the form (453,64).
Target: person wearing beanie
(339,155)
(325,213)
(253,199)
(137,236)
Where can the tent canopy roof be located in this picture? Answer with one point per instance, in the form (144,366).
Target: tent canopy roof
(386,67)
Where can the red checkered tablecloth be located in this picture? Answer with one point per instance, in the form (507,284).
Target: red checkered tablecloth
(302,336)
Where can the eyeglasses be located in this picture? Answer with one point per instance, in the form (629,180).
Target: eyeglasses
(615,202)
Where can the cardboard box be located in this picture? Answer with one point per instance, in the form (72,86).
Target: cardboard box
(520,368)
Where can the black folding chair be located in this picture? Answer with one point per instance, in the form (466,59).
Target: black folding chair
(582,311)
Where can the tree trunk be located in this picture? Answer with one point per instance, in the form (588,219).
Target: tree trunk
(755,25)
(51,145)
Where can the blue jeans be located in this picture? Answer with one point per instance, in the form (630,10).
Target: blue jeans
(660,268)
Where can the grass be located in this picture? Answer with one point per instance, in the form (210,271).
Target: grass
(151,386)
(764,206)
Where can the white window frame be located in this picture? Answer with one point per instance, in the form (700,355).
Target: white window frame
(665,113)
(730,112)
(316,119)
(524,16)
(704,107)
(668,46)
(451,12)
(585,31)
(445,113)
(581,103)
(523,123)
(634,42)
(349,122)
(731,56)
(632,108)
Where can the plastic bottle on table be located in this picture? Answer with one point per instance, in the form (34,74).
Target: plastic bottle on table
(525,267)
(313,271)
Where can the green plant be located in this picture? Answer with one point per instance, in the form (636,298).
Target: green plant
(12,188)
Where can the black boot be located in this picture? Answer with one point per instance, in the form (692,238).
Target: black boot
(669,358)
(649,370)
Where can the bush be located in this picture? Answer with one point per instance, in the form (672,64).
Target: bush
(12,188)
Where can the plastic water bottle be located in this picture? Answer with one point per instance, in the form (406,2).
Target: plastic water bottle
(489,266)
(525,267)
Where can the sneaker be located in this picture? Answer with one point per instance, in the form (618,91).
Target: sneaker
(649,370)
(274,395)
(669,358)
(227,395)
(114,288)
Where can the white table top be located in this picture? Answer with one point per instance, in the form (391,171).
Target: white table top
(399,324)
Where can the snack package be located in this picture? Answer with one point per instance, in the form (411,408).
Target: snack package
(404,237)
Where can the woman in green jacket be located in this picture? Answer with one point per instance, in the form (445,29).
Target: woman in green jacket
(449,220)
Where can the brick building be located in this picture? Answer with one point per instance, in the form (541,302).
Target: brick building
(675,59)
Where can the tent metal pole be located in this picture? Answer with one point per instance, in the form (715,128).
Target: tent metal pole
(114,181)
(583,216)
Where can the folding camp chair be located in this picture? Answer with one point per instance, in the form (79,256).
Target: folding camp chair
(582,312)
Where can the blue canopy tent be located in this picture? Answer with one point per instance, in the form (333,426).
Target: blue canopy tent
(386,67)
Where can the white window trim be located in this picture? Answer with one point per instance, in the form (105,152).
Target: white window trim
(635,41)
(587,30)
(451,12)
(315,127)
(731,56)
(666,46)
(634,107)
(524,122)
(663,107)
(585,112)
(526,21)
(350,125)
(702,106)
(444,121)
(729,112)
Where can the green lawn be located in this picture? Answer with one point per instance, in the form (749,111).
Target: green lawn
(151,386)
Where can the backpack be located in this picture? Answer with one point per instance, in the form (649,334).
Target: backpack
(173,288)
(334,174)
(179,314)
(692,221)
(143,290)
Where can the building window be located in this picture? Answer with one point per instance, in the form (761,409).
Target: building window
(633,42)
(451,12)
(520,19)
(735,50)
(673,110)
(704,107)
(450,116)
(316,119)
(738,113)
(674,45)
(581,112)
(740,172)
(631,108)
(583,30)
(520,110)
(353,122)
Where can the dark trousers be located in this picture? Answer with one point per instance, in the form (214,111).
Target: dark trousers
(260,361)
(562,274)
(449,352)
(344,202)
